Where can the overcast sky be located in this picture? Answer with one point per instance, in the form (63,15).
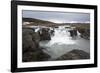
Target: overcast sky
(57,17)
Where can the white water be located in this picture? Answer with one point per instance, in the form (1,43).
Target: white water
(62,43)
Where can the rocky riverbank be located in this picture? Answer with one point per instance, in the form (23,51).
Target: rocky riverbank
(85,33)
(33,52)
(75,55)
(31,49)
(84,30)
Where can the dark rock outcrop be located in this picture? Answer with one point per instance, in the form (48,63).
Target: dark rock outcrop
(75,55)
(45,35)
(30,40)
(35,56)
(52,32)
(85,33)
(73,32)
(31,51)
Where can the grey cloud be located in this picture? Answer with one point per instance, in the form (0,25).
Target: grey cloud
(59,16)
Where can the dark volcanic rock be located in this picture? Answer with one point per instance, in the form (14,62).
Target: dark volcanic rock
(52,32)
(35,56)
(31,49)
(45,35)
(74,55)
(73,32)
(30,40)
(85,33)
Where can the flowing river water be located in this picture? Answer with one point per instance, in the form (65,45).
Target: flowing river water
(62,42)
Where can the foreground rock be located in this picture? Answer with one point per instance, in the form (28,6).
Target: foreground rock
(74,55)
(30,40)
(31,56)
(31,49)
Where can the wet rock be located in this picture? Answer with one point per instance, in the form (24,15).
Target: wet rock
(30,40)
(52,32)
(85,33)
(73,32)
(74,55)
(45,35)
(30,47)
(35,56)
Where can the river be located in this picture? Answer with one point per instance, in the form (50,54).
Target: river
(62,43)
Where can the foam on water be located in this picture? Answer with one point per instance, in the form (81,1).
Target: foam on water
(62,43)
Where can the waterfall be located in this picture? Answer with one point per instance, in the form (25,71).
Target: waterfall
(62,43)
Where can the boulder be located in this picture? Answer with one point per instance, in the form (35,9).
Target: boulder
(75,55)
(31,51)
(30,40)
(35,56)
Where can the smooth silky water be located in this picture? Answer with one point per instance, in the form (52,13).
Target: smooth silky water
(62,42)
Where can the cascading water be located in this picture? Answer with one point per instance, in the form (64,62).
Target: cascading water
(62,43)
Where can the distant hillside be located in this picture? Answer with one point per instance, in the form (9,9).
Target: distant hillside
(36,22)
